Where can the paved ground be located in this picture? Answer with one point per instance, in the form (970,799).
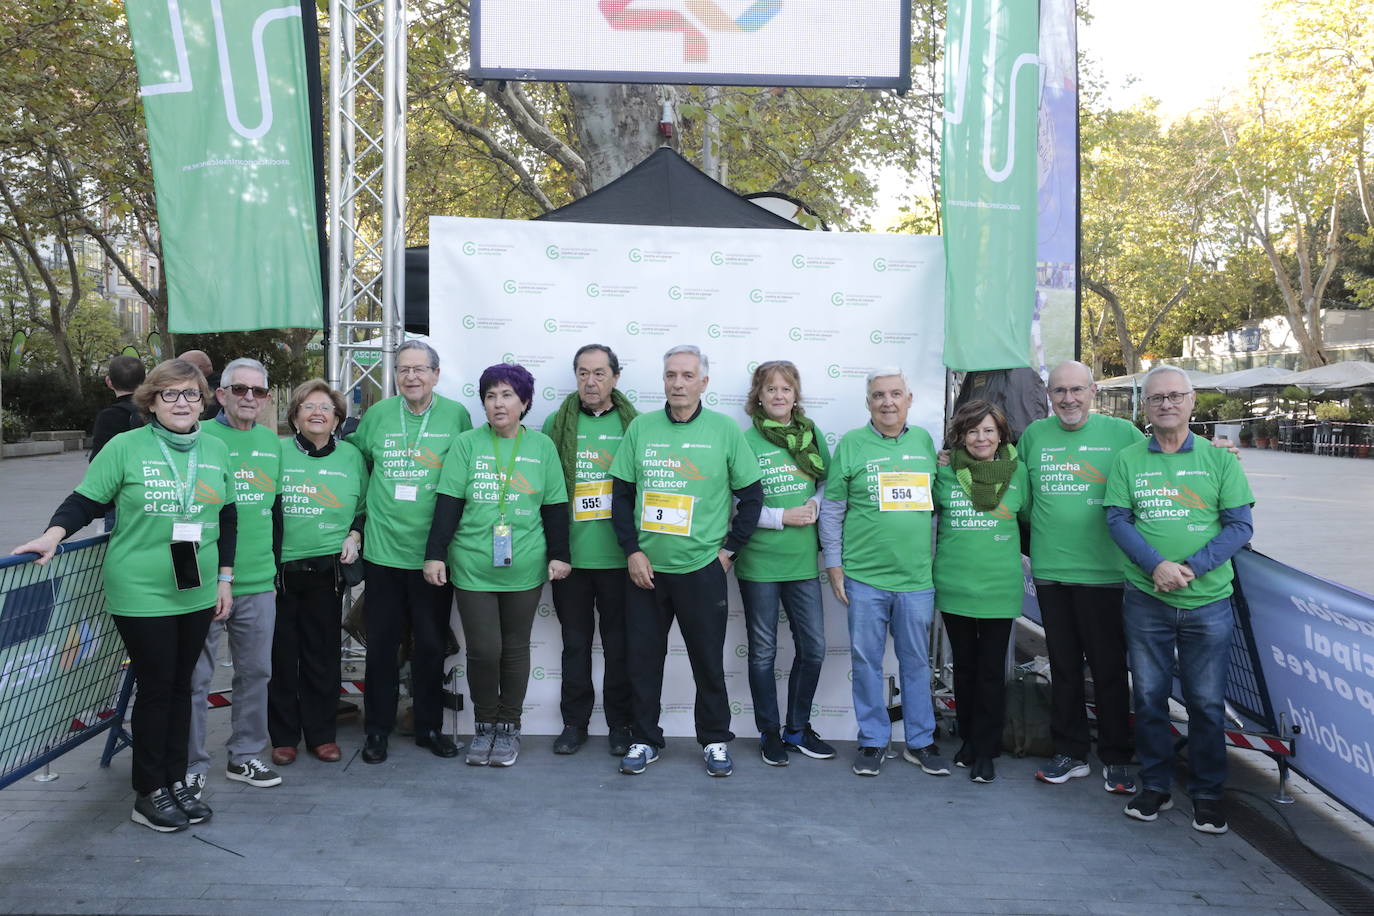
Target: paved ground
(559,833)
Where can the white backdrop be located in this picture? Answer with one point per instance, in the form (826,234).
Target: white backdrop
(836,304)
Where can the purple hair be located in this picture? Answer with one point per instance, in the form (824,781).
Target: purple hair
(514,375)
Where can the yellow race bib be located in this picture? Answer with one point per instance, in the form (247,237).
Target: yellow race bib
(904,491)
(592,500)
(667,513)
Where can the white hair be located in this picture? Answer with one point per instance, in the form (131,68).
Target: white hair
(226,377)
(884,372)
(419,345)
(1160,370)
(690,350)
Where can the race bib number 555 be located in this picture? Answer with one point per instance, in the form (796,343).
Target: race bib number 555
(592,501)
(904,491)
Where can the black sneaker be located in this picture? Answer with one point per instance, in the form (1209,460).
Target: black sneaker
(158,811)
(965,757)
(982,770)
(808,743)
(188,800)
(771,748)
(570,741)
(1147,805)
(928,759)
(868,761)
(619,740)
(1209,816)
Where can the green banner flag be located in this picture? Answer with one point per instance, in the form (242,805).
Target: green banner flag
(225,98)
(988,179)
(16,352)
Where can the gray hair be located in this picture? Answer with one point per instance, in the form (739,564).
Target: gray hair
(420,345)
(243,362)
(884,372)
(690,350)
(1160,370)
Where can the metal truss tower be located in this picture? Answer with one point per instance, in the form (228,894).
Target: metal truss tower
(367,192)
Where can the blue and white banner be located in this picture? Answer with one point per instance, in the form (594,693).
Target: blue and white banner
(1315,640)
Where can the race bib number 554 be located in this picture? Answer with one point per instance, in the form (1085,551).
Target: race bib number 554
(904,491)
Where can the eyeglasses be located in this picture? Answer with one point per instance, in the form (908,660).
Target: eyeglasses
(240,390)
(1173,397)
(413,370)
(1077,391)
(317,408)
(170,395)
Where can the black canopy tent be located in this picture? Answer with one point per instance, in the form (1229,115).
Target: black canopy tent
(663,190)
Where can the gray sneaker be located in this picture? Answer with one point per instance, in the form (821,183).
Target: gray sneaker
(505,747)
(479,751)
(928,759)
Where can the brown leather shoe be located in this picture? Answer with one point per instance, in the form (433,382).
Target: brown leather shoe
(329,753)
(283,756)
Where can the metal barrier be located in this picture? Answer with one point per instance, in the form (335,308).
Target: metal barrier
(64,676)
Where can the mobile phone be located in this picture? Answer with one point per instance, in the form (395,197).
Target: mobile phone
(185,565)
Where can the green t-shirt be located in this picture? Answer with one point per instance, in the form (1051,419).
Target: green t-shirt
(887,485)
(406,453)
(255,463)
(1068,471)
(1177,501)
(132,472)
(592,539)
(978,554)
(320,497)
(474,472)
(683,475)
(790,554)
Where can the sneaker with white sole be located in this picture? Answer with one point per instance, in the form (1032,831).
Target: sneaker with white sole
(717,757)
(638,759)
(928,759)
(483,738)
(1147,804)
(158,811)
(1209,816)
(868,761)
(196,783)
(808,743)
(1116,778)
(253,772)
(1061,769)
(505,747)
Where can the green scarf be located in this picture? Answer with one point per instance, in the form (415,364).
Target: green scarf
(798,438)
(564,431)
(984,481)
(182,442)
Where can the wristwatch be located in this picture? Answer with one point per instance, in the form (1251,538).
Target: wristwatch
(224,577)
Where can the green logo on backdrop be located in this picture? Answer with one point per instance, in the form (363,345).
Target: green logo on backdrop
(469,390)
(832,440)
(469,248)
(508,358)
(537,672)
(815,710)
(741,651)
(837,298)
(711,399)
(674,292)
(880,264)
(717,258)
(753,364)
(632,328)
(876,337)
(593,290)
(713,330)
(635,255)
(736,707)
(552,252)
(755,295)
(549,393)
(544,610)
(832,370)
(509,286)
(794,333)
(469,322)
(632,395)
(798,261)
(551,325)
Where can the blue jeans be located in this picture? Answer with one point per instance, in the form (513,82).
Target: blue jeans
(802,601)
(872,612)
(1202,637)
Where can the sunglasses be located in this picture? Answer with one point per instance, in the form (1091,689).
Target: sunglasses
(241,390)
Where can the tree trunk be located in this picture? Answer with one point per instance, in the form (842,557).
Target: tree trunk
(617,127)
(1123,331)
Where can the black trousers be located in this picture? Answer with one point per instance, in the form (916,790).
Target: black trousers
(303,695)
(496,628)
(578,599)
(395,596)
(1084,622)
(164,651)
(980,683)
(697,600)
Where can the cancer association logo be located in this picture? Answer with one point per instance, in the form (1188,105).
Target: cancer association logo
(713,331)
(632,328)
(635,255)
(510,287)
(593,290)
(469,248)
(551,252)
(798,261)
(880,264)
(755,295)
(551,325)
(726,16)
(469,321)
(675,293)
(794,333)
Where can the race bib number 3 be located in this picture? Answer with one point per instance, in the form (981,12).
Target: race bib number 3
(904,491)
(592,501)
(667,513)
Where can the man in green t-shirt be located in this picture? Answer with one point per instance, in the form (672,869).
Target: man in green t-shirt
(255,465)
(1077,571)
(1179,513)
(587,431)
(875,533)
(672,480)
(404,440)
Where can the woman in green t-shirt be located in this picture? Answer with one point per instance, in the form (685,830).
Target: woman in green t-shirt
(501,520)
(167,571)
(323,485)
(978,580)
(778,565)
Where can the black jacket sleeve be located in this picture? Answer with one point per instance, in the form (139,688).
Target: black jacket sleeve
(555,518)
(76,512)
(448,512)
(228,534)
(278,526)
(746,516)
(623,515)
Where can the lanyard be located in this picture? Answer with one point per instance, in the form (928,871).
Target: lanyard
(185,488)
(411,447)
(510,466)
